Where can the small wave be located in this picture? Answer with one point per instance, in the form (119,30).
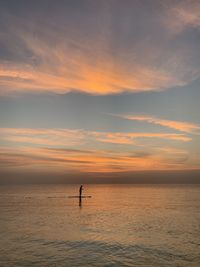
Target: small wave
(96,253)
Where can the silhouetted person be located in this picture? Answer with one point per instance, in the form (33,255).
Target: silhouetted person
(80,191)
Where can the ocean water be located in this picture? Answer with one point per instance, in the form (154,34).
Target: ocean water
(121,225)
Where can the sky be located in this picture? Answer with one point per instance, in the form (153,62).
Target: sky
(101,89)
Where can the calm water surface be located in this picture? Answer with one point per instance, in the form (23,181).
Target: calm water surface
(121,225)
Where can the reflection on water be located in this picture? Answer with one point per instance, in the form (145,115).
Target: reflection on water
(121,225)
(80,202)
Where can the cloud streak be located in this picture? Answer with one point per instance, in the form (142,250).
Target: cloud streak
(186,127)
(49,137)
(84,151)
(77,137)
(128,138)
(94,161)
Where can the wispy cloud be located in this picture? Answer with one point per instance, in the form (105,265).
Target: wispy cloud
(49,137)
(102,54)
(105,77)
(186,127)
(68,137)
(96,161)
(78,150)
(182,15)
(129,138)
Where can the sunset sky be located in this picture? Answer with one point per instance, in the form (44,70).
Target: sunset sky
(108,86)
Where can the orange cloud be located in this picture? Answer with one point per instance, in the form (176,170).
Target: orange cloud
(50,137)
(65,149)
(177,125)
(67,137)
(102,78)
(61,62)
(94,161)
(100,161)
(129,138)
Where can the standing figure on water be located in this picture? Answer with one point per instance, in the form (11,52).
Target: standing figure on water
(80,191)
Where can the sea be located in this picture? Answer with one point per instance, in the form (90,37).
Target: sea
(119,225)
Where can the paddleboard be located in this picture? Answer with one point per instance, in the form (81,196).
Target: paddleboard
(79,196)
